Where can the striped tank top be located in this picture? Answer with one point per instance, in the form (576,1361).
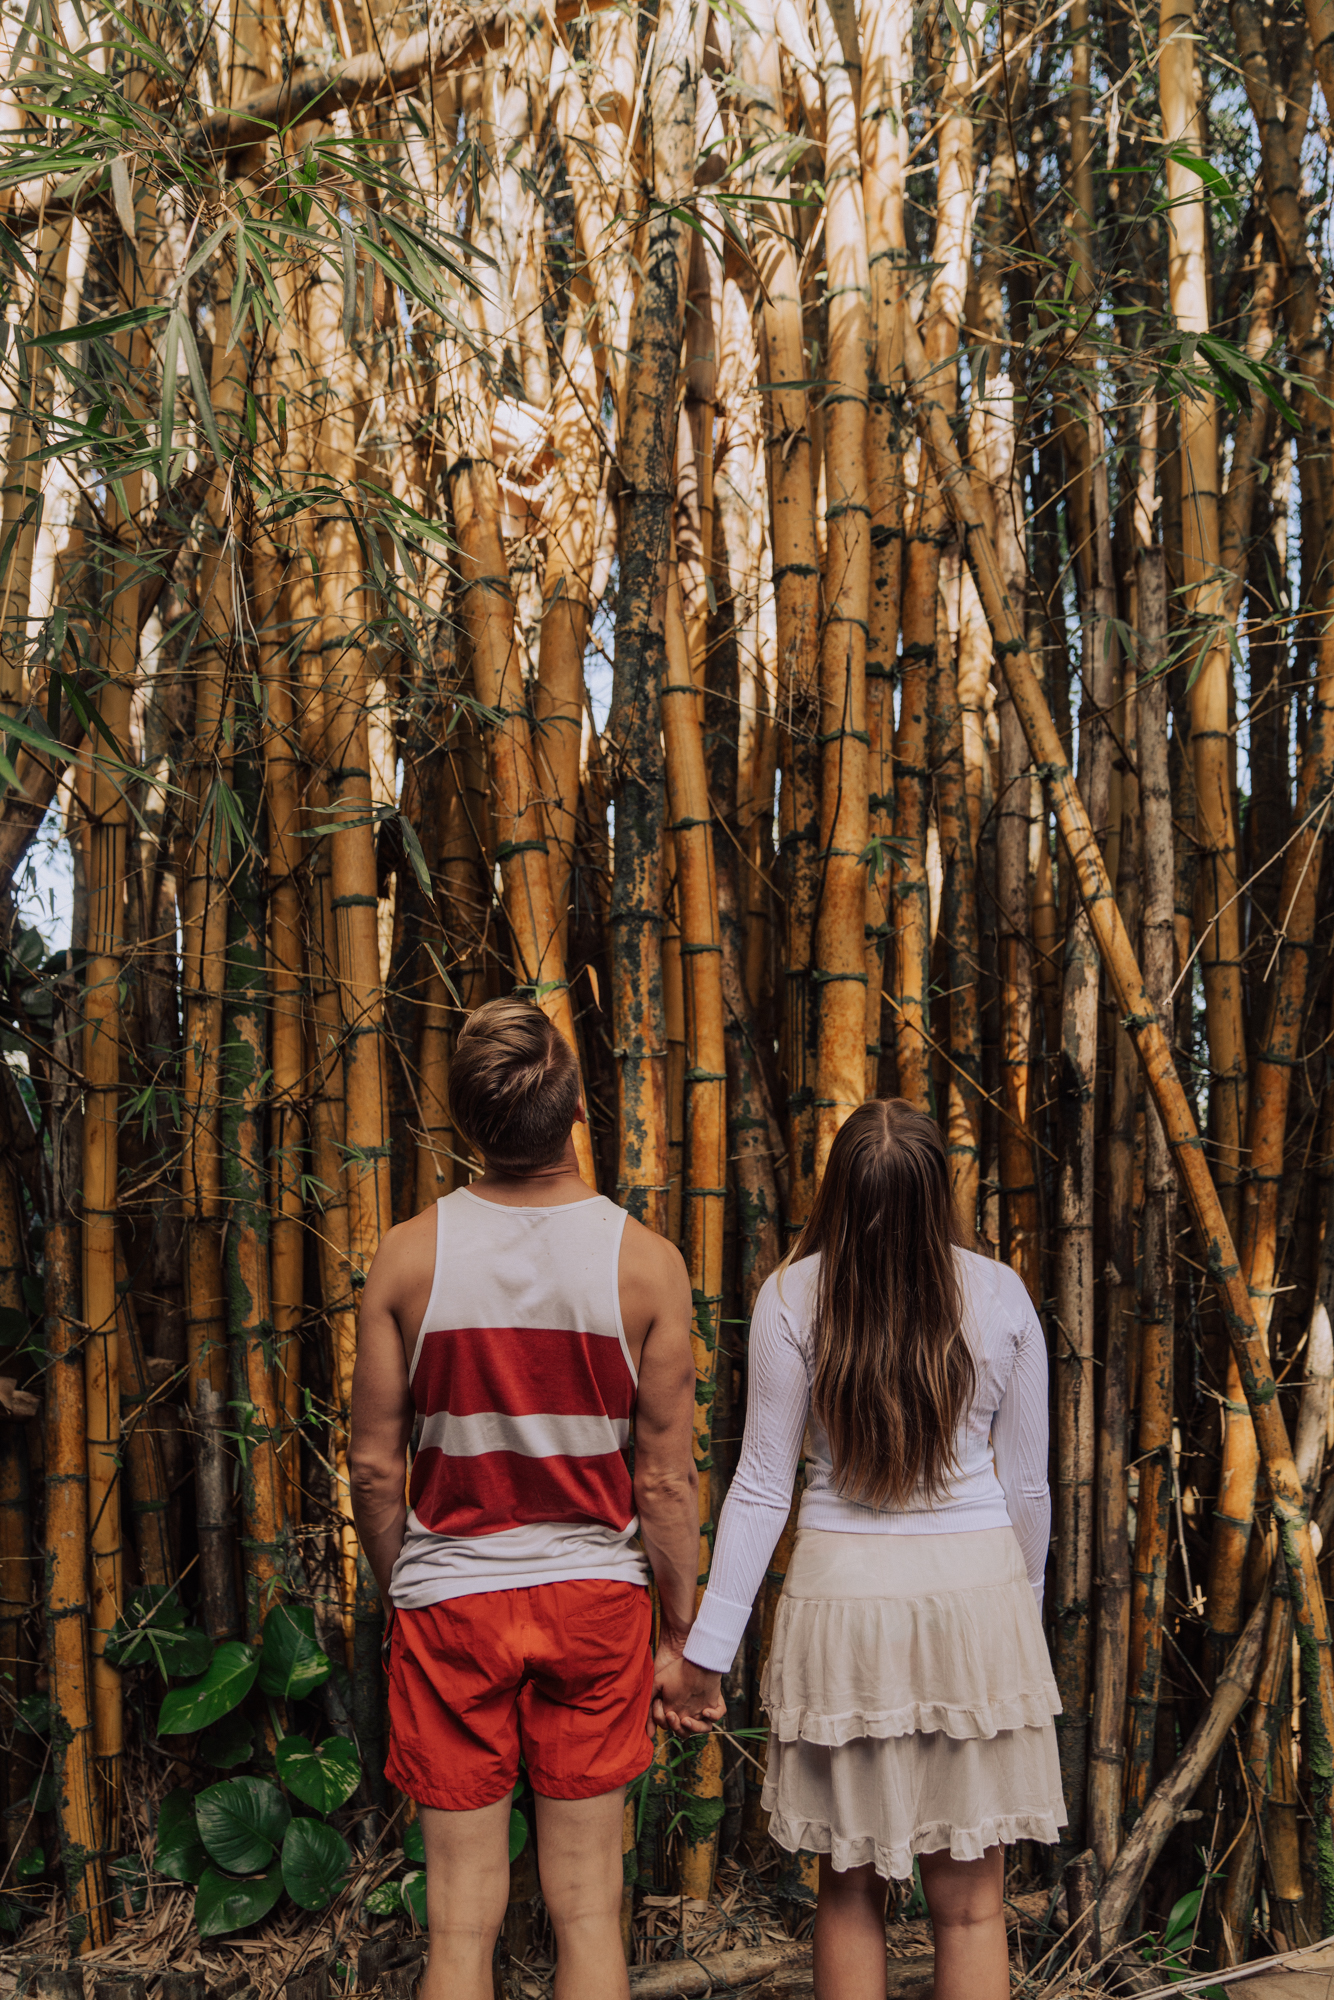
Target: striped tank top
(524,1390)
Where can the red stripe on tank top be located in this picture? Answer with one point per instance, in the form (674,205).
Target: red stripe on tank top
(522,1371)
(502,1489)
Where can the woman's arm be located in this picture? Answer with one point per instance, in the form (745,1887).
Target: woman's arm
(756,1509)
(1019,1442)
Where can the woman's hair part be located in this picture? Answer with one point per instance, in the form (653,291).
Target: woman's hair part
(893,1371)
(513,1085)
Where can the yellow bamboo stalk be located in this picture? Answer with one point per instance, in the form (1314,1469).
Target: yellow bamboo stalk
(704,1160)
(571,524)
(1218,905)
(796,575)
(488,613)
(78,1795)
(286,1032)
(840,933)
(108,826)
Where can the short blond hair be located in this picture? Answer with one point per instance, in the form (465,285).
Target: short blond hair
(513,1085)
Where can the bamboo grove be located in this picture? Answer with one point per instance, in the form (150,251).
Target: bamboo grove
(798,533)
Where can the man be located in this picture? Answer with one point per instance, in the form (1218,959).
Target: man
(525,1321)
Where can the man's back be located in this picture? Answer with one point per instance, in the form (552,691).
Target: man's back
(524,1388)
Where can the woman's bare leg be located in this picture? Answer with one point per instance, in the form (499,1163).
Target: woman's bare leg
(966,1901)
(850,1934)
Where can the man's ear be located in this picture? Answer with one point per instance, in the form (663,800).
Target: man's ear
(580,1115)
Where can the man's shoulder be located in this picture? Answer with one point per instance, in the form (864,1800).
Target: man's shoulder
(645,1250)
(405,1252)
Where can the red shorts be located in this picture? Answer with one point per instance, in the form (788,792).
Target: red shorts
(562,1672)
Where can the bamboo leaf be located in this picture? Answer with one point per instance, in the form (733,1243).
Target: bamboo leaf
(100,329)
(415,855)
(122,193)
(349,285)
(200,387)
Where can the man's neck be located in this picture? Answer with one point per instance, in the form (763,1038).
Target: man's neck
(547,1187)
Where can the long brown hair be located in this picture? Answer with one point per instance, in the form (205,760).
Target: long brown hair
(893,1370)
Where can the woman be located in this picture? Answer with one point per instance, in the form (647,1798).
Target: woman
(909,1691)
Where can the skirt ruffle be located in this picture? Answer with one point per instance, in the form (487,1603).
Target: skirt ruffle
(910,1700)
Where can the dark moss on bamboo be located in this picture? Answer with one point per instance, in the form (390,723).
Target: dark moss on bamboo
(255,1407)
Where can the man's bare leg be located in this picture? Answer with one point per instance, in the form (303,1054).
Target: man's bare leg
(579,1860)
(467,1888)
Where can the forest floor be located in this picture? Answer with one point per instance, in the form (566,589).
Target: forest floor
(320,1957)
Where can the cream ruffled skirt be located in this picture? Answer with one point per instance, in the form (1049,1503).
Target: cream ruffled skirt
(910,1701)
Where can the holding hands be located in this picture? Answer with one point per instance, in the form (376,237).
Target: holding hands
(686,1698)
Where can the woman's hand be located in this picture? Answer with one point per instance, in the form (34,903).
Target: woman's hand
(686,1698)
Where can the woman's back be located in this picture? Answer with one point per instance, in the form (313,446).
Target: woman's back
(1003,1336)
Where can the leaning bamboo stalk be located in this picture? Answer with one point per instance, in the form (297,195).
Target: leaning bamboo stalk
(1122,1887)
(1149,1574)
(1141,1022)
(78,1805)
(1266,1750)
(704,1161)
(147,1494)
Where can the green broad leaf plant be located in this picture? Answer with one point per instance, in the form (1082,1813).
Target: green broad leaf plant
(246,1839)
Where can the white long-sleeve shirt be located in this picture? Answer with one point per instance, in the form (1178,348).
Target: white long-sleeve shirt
(1000,1476)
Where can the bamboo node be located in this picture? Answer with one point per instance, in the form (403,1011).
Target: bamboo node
(507,849)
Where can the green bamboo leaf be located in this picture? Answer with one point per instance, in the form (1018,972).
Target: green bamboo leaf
(349,285)
(100,329)
(170,356)
(200,387)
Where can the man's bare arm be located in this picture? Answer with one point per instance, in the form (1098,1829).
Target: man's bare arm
(666,1483)
(382,1413)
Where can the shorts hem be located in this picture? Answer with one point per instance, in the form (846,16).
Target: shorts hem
(585,1788)
(433,1797)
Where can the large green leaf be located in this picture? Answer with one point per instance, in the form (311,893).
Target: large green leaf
(414,1895)
(414,1847)
(292,1661)
(180,1854)
(230,1677)
(316,1863)
(325,1778)
(225,1903)
(242,1822)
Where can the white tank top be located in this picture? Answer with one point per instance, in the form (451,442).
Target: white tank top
(524,1389)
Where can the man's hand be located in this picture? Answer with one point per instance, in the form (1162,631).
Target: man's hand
(686,1698)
